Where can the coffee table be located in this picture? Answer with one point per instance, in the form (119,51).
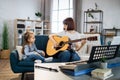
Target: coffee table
(48,74)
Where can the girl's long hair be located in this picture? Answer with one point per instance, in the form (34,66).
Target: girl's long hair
(26,36)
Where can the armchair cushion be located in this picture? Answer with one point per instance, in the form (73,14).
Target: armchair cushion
(14,61)
(26,63)
(19,50)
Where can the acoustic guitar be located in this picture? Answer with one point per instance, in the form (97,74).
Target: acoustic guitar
(63,44)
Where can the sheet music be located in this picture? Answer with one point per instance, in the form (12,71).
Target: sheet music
(116,40)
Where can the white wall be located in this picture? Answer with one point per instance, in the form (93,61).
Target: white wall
(12,9)
(110,8)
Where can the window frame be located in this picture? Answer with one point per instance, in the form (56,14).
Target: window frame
(58,21)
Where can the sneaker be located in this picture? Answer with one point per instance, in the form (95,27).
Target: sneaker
(49,59)
(38,61)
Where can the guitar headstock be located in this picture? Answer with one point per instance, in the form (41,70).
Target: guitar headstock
(92,38)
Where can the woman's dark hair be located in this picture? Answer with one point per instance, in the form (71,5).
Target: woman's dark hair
(70,23)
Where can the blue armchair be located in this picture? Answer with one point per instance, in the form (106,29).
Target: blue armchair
(22,66)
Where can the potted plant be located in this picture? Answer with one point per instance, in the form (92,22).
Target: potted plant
(103,63)
(5,51)
(90,14)
(38,14)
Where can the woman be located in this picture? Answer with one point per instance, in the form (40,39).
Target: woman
(68,30)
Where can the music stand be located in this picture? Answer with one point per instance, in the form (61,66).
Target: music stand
(99,52)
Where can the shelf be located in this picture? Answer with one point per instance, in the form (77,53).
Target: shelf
(37,26)
(112,29)
(28,20)
(91,33)
(20,25)
(109,35)
(93,11)
(109,32)
(95,22)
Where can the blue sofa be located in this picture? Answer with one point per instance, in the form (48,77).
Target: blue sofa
(22,66)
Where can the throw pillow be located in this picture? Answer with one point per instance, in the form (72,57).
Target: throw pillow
(19,49)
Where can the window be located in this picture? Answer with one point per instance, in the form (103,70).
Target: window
(61,9)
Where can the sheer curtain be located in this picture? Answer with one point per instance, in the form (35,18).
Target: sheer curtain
(77,14)
(46,9)
(60,12)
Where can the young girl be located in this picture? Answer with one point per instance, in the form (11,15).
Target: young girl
(29,49)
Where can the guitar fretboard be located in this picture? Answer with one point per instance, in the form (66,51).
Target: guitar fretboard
(71,41)
(89,38)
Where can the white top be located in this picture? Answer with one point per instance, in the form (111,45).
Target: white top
(73,35)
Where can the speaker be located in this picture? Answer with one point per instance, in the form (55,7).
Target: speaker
(20,31)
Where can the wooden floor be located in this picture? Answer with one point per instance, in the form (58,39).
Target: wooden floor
(6,72)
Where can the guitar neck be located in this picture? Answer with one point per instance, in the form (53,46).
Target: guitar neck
(72,41)
(89,38)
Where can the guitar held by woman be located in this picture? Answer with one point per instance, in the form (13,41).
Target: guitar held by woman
(64,43)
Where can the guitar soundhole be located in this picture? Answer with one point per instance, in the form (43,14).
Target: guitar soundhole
(61,44)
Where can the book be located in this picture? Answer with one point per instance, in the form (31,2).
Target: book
(72,65)
(77,73)
(76,68)
(103,78)
(102,73)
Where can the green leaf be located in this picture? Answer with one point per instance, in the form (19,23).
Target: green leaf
(90,15)
(5,44)
(38,14)
(103,59)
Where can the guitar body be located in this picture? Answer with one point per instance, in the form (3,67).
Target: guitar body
(51,50)
(63,44)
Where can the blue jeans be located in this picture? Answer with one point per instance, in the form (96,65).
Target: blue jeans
(35,57)
(66,56)
(74,56)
